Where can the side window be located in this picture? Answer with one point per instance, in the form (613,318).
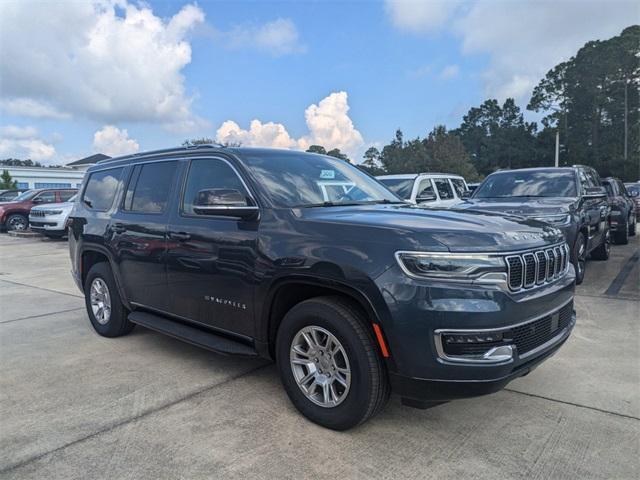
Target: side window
(212,181)
(149,187)
(459,186)
(584,180)
(425,191)
(444,188)
(65,195)
(622,189)
(594,177)
(101,189)
(46,197)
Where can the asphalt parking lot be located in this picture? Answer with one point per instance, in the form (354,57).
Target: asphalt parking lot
(77,405)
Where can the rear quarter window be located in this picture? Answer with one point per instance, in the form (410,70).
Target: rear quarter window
(101,189)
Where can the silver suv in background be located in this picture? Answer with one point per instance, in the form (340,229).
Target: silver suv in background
(51,219)
(427,189)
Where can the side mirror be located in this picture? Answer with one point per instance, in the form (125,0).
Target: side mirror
(37,200)
(223,201)
(466,194)
(595,192)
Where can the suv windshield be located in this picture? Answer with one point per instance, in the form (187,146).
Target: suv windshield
(25,195)
(402,187)
(545,183)
(312,180)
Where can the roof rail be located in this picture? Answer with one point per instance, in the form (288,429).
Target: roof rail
(161,151)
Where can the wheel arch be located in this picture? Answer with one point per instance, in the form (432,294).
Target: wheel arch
(288,292)
(90,256)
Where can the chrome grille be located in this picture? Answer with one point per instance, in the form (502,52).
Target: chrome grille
(536,267)
(37,213)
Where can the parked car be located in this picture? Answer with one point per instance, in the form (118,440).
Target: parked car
(622,220)
(237,250)
(51,219)
(634,192)
(427,189)
(9,195)
(570,198)
(15,215)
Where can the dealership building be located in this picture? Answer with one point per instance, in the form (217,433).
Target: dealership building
(54,177)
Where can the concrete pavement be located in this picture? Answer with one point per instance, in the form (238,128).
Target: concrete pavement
(77,405)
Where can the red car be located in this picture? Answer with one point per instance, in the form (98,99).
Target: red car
(14,215)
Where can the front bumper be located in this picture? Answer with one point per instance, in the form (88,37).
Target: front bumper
(50,223)
(421,312)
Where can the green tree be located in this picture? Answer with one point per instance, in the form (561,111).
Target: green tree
(6,182)
(335,152)
(317,149)
(447,154)
(371,162)
(593,99)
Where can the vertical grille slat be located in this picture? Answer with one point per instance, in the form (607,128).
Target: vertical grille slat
(535,267)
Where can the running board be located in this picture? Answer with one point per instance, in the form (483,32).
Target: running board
(192,335)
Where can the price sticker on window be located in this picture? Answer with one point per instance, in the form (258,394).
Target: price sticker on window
(328,174)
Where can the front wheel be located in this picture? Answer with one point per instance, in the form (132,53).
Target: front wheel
(604,249)
(580,257)
(329,363)
(17,222)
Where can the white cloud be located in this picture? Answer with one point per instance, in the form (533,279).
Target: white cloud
(420,16)
(279,37)
(24,143)
(523,40)
(328,122)
(112,141)
(449,72)
(107,60)
(28,107)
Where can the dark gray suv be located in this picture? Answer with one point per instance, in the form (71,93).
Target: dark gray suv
(569,198)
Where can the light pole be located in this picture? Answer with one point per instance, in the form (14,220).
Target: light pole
(558,146)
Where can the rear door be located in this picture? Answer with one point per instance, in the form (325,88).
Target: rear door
(138,231)
(211,259)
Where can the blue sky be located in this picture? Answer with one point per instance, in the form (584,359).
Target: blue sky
(120,76)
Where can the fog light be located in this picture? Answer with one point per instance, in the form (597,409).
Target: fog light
(473,338)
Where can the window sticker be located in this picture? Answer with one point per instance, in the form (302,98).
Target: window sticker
(328,174)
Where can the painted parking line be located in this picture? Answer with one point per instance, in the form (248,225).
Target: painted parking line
(618,282)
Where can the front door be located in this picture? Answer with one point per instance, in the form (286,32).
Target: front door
(595,208)
(138,232)
(211,258)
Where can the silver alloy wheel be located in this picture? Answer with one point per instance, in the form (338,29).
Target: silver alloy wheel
(320,366)
(18,223)
(100,301)
(607,241)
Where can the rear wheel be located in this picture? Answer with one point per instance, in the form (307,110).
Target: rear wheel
(603,250)
(104,306)
(17,222)
(580,257)
(329,363)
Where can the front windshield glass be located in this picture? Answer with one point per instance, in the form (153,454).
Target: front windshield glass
(402,187)
(633,189)
(25,195)
(545,183)
(305,180)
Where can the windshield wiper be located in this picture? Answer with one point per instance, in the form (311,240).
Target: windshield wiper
(346,204)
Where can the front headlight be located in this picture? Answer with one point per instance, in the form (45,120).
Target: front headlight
(556,220)
(449,266)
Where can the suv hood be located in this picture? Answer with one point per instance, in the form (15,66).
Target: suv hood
(525,206)
(416,228)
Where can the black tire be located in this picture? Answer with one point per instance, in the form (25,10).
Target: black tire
(633,222)
(117,324)
(17,222)
(622,235)
(601,252)
(579,257)
(369,389)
